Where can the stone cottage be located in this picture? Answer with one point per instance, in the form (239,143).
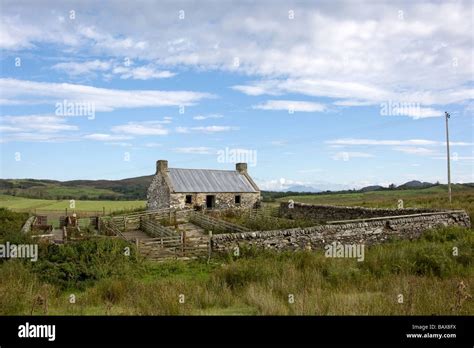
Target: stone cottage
(202,188)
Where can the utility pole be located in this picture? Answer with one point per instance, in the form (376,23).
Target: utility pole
(447,148)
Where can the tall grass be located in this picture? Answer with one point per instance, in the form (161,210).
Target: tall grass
(425,272)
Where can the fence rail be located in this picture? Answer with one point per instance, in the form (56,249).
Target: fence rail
(111,228)
(154,229)
(172,247)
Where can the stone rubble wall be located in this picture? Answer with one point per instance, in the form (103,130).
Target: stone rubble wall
(26,228)
(367,233)
(223,200)
(325,213)
(158,195)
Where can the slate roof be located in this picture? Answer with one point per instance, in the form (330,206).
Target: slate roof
(208,180)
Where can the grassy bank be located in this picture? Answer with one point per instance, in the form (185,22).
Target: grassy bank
(104,281)
(433,197)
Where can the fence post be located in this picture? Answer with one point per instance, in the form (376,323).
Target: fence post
(137,244)
(183,242)
(210,247)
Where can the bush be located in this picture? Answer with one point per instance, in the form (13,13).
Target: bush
(79,264)
(10,225)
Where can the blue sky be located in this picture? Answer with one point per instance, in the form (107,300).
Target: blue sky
(326,94)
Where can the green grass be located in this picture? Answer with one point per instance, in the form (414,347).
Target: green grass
(30,204)
(257,283)
(433,197)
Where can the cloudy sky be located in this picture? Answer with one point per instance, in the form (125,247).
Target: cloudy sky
(319,93)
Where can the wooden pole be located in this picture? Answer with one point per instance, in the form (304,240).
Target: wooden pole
(136,243)
(447,149)
(210,247)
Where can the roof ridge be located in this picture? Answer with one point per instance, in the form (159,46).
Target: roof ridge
(215,170)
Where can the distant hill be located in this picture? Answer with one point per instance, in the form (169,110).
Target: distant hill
(372,188)
(415,184)
(136,188)
(302,188)
(125,189)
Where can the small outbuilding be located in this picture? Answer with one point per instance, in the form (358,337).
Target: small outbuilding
(180,188)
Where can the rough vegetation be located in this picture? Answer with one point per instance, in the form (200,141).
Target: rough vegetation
(103,281)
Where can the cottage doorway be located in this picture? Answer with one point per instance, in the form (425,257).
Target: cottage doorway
(210,201)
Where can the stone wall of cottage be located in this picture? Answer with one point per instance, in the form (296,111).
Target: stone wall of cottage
(222,200)
(324,213)
(158,195)
(372,231)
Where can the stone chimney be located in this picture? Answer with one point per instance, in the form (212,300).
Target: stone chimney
(161,166)
(241,167)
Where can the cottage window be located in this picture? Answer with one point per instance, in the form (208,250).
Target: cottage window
(189,199)
(237,199)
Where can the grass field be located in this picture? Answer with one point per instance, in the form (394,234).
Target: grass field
(425,272)
(433,197)
(104,281)
(30,204)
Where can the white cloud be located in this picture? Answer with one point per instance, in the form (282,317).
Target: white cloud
(201,150)
(153,145)
(205,117)
(141,128)
(182,130)
(122,144)
(113,67)
(291,105)
(206,129)
(415,150)
(408,142)
(280,184)
(142,73)
(346,156)
(419,112)
(36,123)
(352,93)
(385,57)
(106,137)
(104,99)
(82,68)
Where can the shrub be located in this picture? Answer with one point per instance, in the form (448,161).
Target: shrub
(78,264)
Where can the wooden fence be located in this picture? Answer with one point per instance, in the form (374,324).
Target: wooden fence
(108,227)
(133,221)
(173,247)
(155,229)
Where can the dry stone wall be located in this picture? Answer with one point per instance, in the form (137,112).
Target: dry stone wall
(325,213)
(368,232)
